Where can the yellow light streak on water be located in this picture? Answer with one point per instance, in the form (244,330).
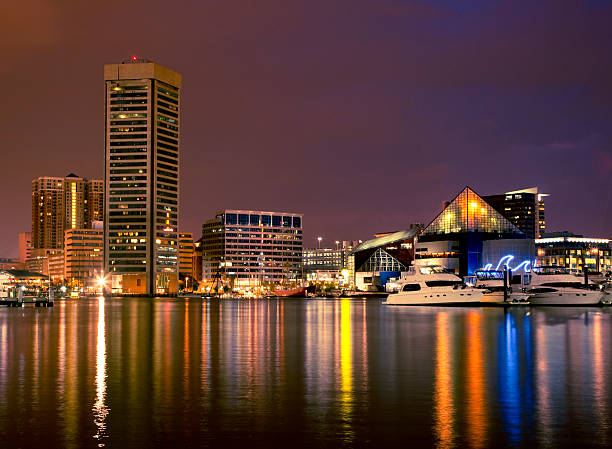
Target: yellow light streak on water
(443,390)
(100,410)
(346,367)
(476,383)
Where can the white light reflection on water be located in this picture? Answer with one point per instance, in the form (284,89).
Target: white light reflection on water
(100,410)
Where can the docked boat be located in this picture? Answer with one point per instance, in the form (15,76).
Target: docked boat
(492,284)
(564,289)
(428,286)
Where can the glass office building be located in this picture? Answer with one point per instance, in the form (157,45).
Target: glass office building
(242,248)
(142,177)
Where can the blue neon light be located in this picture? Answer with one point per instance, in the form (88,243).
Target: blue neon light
(505,261)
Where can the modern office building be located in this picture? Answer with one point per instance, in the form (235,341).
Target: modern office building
(524,208)
(329,264)
(186,251)
(470,234)
(384,257)
(244,248)
(574,252)
(83,257)
(25,246)
(141,215)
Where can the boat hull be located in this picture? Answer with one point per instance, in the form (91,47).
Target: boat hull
(455,297)
(568,298)
(513,298)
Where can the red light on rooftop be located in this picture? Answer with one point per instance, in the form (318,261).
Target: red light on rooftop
(134,58)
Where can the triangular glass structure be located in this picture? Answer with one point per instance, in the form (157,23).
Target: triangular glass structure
(468,212)
(382,261)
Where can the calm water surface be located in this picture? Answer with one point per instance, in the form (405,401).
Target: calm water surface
(303,373)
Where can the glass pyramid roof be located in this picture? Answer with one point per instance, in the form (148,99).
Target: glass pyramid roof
(468,212)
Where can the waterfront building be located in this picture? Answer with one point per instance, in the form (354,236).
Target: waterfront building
(574,252)
(39,261)
(383,258)
(197,261)
(25,246)
(329,264)
(10,280)
(470,234)
(11,264)
(244,248)
(56,265)
(186,252)
(142,122)
(524,208)
(84,256)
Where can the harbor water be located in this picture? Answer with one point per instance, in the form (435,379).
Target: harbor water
(162,373)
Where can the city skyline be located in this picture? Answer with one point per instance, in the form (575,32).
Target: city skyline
(327,115)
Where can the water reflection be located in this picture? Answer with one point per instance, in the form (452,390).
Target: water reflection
(100,410)
(443,390)
(476,382)
(346,368)
(307,373)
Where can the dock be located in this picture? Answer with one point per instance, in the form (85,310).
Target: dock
(37,302)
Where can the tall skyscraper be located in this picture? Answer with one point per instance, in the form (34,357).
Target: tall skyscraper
(142,177)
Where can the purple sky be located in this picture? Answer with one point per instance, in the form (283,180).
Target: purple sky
(363,115)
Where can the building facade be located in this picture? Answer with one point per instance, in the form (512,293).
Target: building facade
(25,246)
(574,252)
(469,234)
(524,208)
(186,252)
(48,212)
(142,177)
(94,203)
(83,257)
(244,248)
(384,257)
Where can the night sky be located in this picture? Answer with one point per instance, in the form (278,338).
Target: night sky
(363,115)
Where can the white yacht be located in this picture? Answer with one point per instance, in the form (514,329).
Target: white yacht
(564,289)
(428,286)
(492,282)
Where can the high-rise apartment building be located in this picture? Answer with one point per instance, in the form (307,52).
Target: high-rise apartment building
(252,248)
(524,208)
(142,177)
(48,212)
(94,203)
(74,200)
(60,203)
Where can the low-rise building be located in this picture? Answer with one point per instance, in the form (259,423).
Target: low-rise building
(84,257)
(32,283)
(186,249)
(574,252)
(384,257)
(244,249)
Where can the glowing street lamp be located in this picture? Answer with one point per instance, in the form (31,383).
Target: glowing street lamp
(319,239)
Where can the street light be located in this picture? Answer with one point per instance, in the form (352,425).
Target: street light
(337,241)
(319,239)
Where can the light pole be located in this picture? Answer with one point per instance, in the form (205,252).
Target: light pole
(337,241)
(319,239)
